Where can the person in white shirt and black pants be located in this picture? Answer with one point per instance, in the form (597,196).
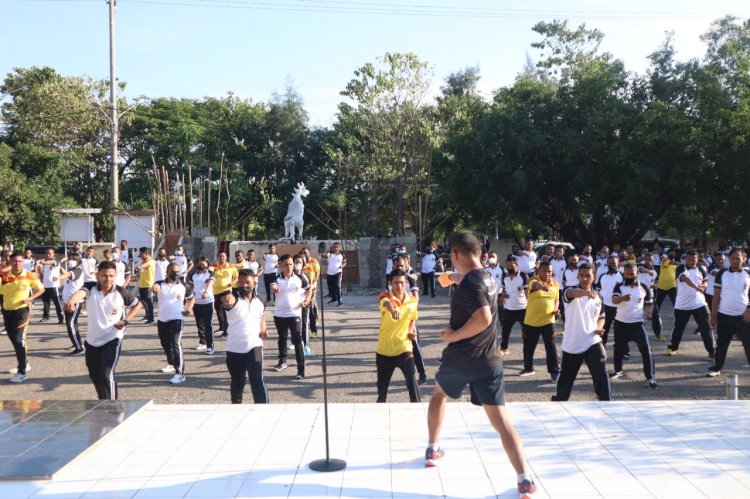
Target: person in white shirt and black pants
(605,284)
(515,292)
(110,309)
(632,297)
(730,312)
(270,270)
(292,292)
(175,302)
(428,271)
(73,282)
(246,330)
(336,263)
(202,281)
(584,327)
(50,274)
(691,302)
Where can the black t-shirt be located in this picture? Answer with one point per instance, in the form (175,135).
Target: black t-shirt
(477,289)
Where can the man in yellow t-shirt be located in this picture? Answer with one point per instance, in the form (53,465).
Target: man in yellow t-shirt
(19,288)
(666,285)
(146,280)
(398,315)
(541,312)
(226,276)
(312,271)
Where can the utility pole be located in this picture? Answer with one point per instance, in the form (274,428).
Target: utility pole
(115,194)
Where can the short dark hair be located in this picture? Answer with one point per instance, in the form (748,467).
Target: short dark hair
(16,254)
(397,273)
(466,243)
(738,250)
(107,264)
(203,258)
(285,257)
(144,250)
(629,266)
(586,266)
(50,248)
(718,253)
(691,253)
(245,272)
(544,263)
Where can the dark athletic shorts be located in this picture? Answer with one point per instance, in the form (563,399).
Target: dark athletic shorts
(487,385)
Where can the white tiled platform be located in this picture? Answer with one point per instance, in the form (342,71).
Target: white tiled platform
(577,449)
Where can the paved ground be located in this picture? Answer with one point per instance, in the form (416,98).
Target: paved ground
(351,333)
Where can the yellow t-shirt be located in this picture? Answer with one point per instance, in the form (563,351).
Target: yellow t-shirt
(16,288)
(393,339)
(225,275)
(147,275)
(541,304)
(312,271)
(667,275)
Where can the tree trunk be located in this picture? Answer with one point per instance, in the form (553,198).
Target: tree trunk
(398,213)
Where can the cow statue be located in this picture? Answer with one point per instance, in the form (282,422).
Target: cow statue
(294,215)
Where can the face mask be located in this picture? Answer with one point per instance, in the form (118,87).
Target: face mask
(172,276)
(115,256)
(178,253)
(629,281)
(245,291)
(492,261)
(72,264)
(612,268)
(400,251)
(202,268)
(297,267)
(162,257)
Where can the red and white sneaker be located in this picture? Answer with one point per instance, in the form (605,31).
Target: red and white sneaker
(526,489)
(432,455)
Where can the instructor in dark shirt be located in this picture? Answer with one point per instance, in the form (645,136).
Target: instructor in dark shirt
(472,358)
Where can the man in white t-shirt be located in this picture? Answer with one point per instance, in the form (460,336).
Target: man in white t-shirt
(162,262)
(428,271)
(175,302)
(292,292)
(88,264)
(515,293)
(50,271)
(270,270)
(730,314)
(183,261)
(559,264)
(527,258)
(253,263)
(584,327)
(605,284)
(336,262)
(202,281)
(691,302)
(111,308)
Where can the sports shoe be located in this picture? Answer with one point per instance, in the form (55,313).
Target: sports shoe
(711,357)
(615,374)
(224,334)
(280,366)
(168,369)
(177,379)
(299,376)
(712,372)
(307,351)
(652,384)
(18,378)
(504,351)
(15,369)
(553,377)
(313,335)
(661,338)
(201,346)
(210,351)
(422,379)
(527,373)
(671,352)
(77,351)
(526,489)
(626,357)
(432,455)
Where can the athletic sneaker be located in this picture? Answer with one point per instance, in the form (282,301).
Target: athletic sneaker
(652,384)
(671,352)
(210,351)
(313,335)
(554,377)
(615,374)
(77,351)
(504,351)
(177,379)
(307,351)
(526,489)
(299,376)
(18,378)
(15,369)
(202,346)
(168,369)
(422,379)
(527,373)
(626,357)
(712,372)
(661,338)
(432,455)
(280,366)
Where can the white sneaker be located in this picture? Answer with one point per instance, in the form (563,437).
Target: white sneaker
(15,369)
(177,379)
(202,346)
(168,369)
(18,378)
(209,351)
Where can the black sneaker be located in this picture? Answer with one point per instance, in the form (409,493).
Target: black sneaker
(615,374)
(299,376)
(652,384)
(527,372)
(280,366)
(526,489)
(553,377)
(712,372)
(77,351)
(432,455)
(626,357)
(422,379)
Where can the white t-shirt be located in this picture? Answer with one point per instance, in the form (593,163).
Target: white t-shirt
(711,279)
(200,282)
(290,296)
(270,263)
(105,311)
(125,256)
(631,311)
(689,298)
(606,285)
(121,271)
(171,300)
(497,272)
(89,269)
(73,283)
(254,266)
(647,277)
(160,273)
(570,278)
(581,316)
(735,291)
(389,262)
(51,275)
(527,262)
(601,266)
(515,287)
(183,262)
(243,325)
(334,263)
(428,263)
(28,264)
(558,269)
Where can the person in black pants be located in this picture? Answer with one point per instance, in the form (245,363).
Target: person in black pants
(292,290)
(401,263)
(336,262)
(202,281)
(584,327)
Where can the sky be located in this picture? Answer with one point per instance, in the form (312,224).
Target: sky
(253,48)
